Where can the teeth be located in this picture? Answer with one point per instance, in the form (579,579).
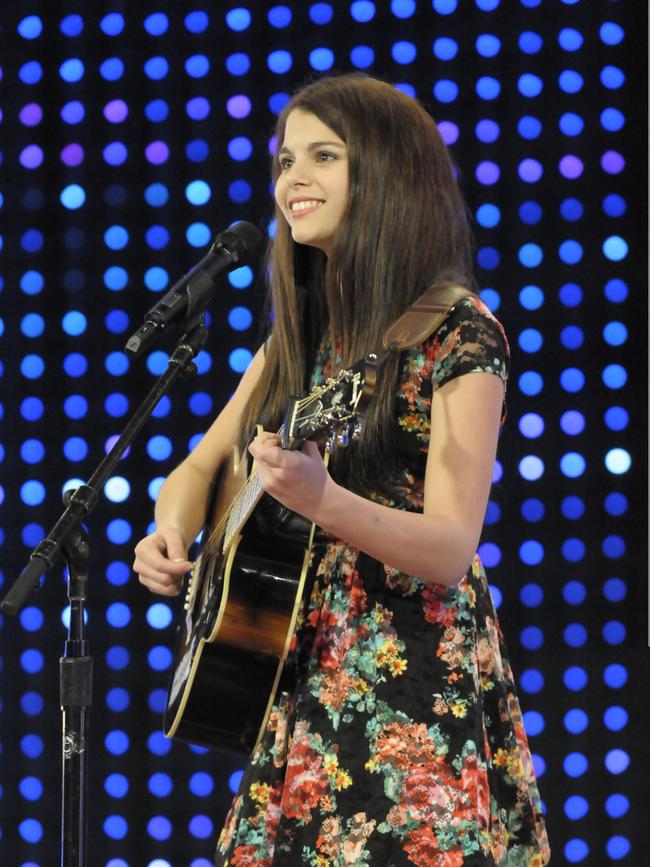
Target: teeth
(302,206)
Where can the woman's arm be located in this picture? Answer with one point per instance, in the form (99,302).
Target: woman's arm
(438,544)
(161,557)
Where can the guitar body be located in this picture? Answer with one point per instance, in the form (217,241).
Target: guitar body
(248,582)
(240,614)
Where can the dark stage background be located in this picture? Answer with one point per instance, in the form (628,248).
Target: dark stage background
(131,133)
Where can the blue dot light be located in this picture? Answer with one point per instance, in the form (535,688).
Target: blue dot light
(617,806)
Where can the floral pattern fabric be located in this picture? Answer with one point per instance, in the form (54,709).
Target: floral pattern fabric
(401,741)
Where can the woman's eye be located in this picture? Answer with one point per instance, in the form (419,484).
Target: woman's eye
(325,156)
(285,163)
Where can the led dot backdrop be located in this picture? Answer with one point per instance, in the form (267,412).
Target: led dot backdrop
(130,135)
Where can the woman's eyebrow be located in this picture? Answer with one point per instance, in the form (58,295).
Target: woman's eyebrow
(314,146)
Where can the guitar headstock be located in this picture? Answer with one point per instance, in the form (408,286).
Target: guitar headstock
(334,409)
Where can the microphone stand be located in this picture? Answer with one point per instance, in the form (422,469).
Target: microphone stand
(68,540)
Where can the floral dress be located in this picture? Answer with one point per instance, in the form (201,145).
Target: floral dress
(402,741)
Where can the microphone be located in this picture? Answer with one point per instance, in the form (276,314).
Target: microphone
(192,293)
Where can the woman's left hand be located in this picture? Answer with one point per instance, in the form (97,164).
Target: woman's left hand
(297,479)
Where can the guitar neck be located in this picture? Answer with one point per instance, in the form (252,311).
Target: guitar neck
(242,507)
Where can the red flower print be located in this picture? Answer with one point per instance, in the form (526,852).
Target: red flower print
(404,744)
(424,794)
(305,780)
(422,849)
(410,392)
(335,644)
(336,688)
(451,341)
(432,792)
(357,594)
(245,856)
(475,783)
(434,608)
(273,810)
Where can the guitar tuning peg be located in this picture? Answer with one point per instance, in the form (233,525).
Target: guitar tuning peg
(356,431)
(330,444)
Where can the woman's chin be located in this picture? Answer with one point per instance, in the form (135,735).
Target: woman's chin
(307,240)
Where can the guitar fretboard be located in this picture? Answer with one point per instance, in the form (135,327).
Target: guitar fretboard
(242,507)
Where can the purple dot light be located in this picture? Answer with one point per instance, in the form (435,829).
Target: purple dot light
(157,152)
(72,154)
(238,106)
(571,166)
(612,162)
(530,170)
(487,172)
(31,157)
(31,114)
(448,132)
(116,111)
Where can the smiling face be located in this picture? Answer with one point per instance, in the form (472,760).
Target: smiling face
(312,187)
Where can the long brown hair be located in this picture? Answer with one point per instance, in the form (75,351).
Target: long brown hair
(405,229)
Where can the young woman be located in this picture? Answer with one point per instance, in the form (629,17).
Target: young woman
(401,740)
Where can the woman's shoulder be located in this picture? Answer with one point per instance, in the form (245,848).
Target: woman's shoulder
(472,314)
(469,339)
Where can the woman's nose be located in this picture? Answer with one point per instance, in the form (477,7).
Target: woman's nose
(298,173)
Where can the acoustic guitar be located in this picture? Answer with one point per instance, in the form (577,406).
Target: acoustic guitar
(245,589)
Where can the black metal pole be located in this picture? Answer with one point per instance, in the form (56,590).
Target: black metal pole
(68,540)
(75,686)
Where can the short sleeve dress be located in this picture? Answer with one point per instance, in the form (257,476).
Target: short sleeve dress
(402,742)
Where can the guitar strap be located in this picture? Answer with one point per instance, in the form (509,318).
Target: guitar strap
(423,317)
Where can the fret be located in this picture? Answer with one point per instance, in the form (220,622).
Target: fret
(242,507)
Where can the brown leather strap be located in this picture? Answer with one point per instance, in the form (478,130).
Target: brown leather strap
(423,317)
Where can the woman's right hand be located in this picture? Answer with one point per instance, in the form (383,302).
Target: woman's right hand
(161,561)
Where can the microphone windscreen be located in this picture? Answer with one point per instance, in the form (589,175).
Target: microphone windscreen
(242,240)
